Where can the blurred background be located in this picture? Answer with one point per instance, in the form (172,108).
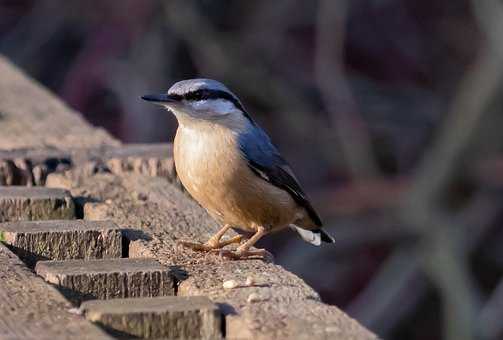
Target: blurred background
(389,111)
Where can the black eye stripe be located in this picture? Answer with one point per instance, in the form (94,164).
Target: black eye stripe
(212,94)
(175,96)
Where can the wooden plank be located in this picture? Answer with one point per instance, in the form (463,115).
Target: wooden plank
(108,278)
(32,166)
(146,159)
(32,309)
(31,116)
(62,239)
(163,317)
(280,306)
(35,203)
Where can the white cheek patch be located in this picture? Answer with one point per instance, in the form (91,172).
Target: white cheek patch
(167,107)
(215,106)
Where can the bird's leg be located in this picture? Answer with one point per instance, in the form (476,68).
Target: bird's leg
(243,251)
(214,242)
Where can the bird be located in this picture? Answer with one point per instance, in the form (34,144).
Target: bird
(229,165)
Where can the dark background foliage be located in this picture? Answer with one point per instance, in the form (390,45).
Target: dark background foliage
(389,112)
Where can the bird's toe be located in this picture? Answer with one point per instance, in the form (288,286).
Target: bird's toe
(246,254)
(195,246)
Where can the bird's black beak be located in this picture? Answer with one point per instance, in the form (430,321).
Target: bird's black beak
(159,98)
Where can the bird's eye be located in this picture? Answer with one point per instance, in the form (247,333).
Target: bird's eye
(195,96)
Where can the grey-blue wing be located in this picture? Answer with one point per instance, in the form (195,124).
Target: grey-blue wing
(267,163)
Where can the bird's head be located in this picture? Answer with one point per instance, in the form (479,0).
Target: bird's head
(200,99)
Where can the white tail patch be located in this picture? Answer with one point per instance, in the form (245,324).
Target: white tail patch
(308,235)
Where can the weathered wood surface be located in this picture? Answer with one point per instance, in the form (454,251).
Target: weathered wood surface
(25,203)
(108,278)
(280,305)
(32,309)
(167,317)
(30,116)
(62,239)
(31,166)
(146,159)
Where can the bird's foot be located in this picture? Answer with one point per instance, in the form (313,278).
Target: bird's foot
(212,244)
(246,254)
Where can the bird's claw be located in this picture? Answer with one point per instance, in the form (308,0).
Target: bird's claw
(239,253)
(246,254)
(196,246)
(211,244)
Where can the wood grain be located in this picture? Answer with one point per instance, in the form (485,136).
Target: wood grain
(169,317)
(31,116)
(62,239)
(107,278)
(35,203)
(32,309)
(282,306)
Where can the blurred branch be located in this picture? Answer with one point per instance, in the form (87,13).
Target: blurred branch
(442,257)
(489,321)
(476,90)
(271,19)
(390,290)
(392,294)
(37,27)
(355,234)
(490,18)
(217,55)
(336,92)
(364,196)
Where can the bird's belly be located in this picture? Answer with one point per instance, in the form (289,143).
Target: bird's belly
(221,181)
(247,203)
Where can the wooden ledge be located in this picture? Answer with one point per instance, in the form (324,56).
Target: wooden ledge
(32,309)
(35,203)
(32,166)
(280,304)
(108,278)
(163,317)
(62,239)
(31,116)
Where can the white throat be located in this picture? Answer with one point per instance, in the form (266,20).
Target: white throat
(206,113)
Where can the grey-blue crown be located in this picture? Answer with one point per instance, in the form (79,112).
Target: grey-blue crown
(203,89)
(184,87)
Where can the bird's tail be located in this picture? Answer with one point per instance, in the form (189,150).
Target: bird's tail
(315,236)
(325,237)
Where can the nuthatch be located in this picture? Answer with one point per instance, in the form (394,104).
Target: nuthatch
(229,165)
